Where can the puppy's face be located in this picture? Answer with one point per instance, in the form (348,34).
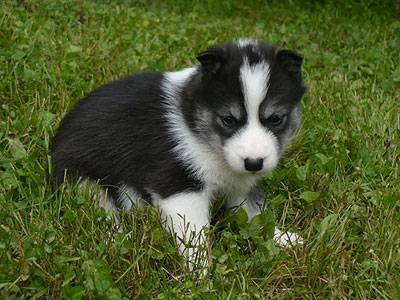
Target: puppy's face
(246,104)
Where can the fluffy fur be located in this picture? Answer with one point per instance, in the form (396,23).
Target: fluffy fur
(174,139)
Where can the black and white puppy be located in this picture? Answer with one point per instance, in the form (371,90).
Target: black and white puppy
(174,139)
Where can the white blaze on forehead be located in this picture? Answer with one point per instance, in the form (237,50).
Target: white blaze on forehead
(255,81)
(254,140)
(246,42)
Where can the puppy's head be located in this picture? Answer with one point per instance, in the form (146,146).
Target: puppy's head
(245,103)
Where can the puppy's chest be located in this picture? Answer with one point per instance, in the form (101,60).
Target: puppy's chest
(229,183)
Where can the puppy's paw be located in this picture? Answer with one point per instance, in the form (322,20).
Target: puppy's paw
(287,239)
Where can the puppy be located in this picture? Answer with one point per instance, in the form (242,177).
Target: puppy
(175,139)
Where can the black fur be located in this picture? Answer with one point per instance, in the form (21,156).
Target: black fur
(117,134)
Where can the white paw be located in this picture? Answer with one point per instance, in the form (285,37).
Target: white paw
(287,239)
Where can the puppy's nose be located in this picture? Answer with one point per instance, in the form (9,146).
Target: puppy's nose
(253,165)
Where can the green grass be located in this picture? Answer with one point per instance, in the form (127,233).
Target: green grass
(339,185)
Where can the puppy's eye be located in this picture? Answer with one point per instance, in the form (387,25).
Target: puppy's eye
(229,121)
(275,120)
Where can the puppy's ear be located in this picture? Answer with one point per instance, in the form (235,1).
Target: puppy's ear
(290,61)
(211,60)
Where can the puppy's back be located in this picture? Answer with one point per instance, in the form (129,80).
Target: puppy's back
(110,127)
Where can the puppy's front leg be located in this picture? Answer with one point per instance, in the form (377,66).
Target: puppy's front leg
(186,214)
(253,203)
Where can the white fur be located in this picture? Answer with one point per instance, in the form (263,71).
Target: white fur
(255,80)
(186,214)
(203,162)
(100,196)
(246,42)
(252,142)
(286,239)
(102,200)
(128,195)
(193,153)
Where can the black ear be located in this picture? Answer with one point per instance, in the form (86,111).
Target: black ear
(290,61)
(211,60)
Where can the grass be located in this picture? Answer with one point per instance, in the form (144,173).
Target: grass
(339,185)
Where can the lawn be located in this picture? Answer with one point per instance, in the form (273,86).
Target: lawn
(338,186)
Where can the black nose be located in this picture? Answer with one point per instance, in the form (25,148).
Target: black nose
(253,164)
